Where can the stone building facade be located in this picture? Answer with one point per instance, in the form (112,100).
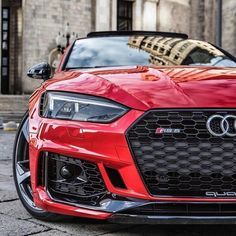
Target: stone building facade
(34,25)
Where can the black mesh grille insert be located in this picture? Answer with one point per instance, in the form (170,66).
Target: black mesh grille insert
(115,178)
(185,160)
(85,186)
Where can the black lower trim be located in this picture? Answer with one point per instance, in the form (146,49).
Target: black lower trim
(177,213)
(188,209)
(144,219)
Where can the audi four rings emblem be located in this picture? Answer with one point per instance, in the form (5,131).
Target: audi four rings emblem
(223,125)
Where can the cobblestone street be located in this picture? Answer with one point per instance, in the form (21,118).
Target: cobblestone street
(14,220)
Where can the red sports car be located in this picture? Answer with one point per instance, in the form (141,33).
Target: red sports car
(134,127)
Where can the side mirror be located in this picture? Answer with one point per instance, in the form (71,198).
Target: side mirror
(40,71)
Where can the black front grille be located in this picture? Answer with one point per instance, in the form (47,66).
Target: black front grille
(186,160)
(85,186)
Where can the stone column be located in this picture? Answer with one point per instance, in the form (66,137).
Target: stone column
(137,15)
(210,21)
(150,15)
(173,15)
(114,15)
(103,15)
(229,26)
(197,19)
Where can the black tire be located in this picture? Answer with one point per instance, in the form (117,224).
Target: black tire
(21,173)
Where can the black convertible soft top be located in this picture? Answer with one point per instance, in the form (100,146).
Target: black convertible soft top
(139,33)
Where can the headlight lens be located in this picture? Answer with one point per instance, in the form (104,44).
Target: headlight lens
(59,105)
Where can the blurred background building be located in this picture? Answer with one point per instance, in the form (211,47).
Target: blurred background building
(30,28)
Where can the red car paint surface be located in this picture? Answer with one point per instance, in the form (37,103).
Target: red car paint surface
(167,91)
(105,144)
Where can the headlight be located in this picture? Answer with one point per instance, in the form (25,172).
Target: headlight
(68,106)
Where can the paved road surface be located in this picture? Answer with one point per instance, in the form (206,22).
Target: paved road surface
(14,220)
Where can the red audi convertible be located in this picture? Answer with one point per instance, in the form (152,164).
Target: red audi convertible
(134,127)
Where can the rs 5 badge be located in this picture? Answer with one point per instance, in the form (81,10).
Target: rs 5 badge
(167,131)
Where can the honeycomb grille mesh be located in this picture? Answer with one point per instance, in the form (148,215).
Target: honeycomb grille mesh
(89,192)
(190,162)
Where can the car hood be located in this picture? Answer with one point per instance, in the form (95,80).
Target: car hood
(146,88)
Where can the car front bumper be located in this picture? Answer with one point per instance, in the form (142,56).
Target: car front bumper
(106,146)
(117,212)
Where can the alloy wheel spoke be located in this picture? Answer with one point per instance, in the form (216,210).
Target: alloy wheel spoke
(24,177)
(25,130)
(22,166)
(22,173)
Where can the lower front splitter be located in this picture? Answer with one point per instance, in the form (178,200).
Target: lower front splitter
(144,219)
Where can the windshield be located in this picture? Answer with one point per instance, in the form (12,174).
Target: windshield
(144,50)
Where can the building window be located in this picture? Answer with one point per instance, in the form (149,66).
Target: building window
(124,15)
(4,76)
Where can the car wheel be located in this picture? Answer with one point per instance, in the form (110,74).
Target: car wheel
(21,172)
